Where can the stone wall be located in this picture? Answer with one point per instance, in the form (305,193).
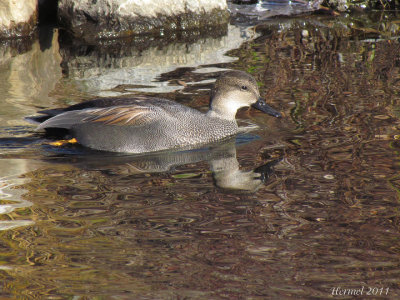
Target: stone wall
(103,19)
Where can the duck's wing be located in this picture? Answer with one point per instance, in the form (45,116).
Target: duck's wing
(102,103)
(132,115)
(125,115)
(98,103)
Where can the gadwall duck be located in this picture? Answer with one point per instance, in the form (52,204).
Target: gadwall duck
(139,125)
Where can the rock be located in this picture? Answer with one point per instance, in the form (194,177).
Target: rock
(340,5)
(18,18)
(269,9)
(104,19)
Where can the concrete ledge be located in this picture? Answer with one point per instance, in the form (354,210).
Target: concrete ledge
(107,19)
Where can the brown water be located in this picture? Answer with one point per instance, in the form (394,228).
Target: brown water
(78,224)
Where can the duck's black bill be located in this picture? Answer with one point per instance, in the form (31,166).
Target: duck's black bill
(264,107)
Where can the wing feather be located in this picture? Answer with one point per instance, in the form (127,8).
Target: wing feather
(132,115)
(122,115)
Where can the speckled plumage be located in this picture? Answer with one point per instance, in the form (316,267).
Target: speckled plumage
(138,125)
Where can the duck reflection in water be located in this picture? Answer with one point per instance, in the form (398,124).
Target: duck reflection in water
(221,157)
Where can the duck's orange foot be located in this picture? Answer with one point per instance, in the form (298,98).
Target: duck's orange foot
(63,142)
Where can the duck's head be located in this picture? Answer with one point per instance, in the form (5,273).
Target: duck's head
(236,89)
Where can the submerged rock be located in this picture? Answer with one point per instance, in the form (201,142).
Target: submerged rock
(17,18)
(248,13)
(104,19)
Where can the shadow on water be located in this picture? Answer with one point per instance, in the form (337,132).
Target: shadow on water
(89,224)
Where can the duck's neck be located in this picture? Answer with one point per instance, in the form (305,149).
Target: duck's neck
(223,109)
(216,114)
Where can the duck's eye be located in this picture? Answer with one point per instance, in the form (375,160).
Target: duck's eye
(244,88)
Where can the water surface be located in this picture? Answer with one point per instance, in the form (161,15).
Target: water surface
(299,208)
